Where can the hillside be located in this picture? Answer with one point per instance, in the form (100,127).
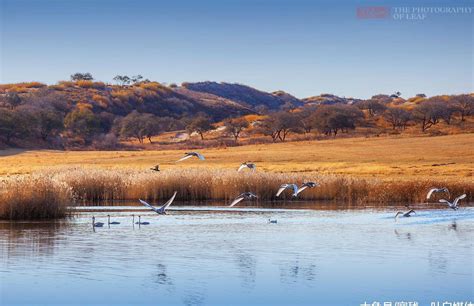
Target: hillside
(245,95)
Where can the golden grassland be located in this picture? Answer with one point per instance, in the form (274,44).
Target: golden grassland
(441,157)
(40,184)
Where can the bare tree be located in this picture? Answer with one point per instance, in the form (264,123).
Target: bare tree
(397,117)
(235,126)
(200,125)
(464,105)
(430,112)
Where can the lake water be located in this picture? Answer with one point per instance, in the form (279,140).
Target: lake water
(209,256)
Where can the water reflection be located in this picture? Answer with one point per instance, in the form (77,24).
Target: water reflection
(296,271)
(220,258)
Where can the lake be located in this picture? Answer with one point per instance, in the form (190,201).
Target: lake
(213,256)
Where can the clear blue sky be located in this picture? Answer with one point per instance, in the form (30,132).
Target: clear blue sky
(305,47)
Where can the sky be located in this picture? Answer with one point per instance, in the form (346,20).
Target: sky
(304,47)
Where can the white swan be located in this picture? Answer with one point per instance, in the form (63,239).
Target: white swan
(245,195)
(113,222)
(96,224)
(306,185)
(160,210)
(249,165)
(288,186)
(191,154)
(454,204)
(140,221)
(405,214)
(433,190)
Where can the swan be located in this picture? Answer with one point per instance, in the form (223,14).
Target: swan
(454,204)
(96,224)
(288,186)
(156,168)
(432,190)
(306,185)
(245,195)
(249,165)
(405,214)
(191,154)
(160,210)
(109,223)
(140,221)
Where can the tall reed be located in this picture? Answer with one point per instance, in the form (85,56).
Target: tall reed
(34,197)
(195,185)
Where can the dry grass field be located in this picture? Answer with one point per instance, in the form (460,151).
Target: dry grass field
(449,157)
(40,184)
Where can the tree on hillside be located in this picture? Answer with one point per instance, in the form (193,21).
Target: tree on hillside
(278,125)
(82,122)
(78,76)
(12,99)
(15,124)
(122,80)
(464,105)
(373,107)
(200,125)
(338,117)
(132,126)
(235,126)
(397,117)
(430,112)
(306,118)
(136,78)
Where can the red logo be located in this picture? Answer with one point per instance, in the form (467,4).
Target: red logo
(373,12)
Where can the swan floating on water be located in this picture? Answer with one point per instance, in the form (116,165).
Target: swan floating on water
(113,222)
(140,221)
(454,204)
(160,210)
(245,195)
(249,165)
(191,154)
(96,224)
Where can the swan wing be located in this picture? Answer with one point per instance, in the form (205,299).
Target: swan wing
(168,203)
(444,201)
(462,196)
(184,158)
(237,200)
(430,193)
(282,187)
(148,205)
(301,189)
(200,156)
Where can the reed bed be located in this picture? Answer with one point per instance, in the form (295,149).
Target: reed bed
(34,197)
(47,194)
(198,185)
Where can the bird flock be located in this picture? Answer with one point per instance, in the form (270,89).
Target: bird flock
(453,205)
(294,188)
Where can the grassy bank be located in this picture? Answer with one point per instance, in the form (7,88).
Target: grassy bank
(40,184)
(380,157)
(34,197)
